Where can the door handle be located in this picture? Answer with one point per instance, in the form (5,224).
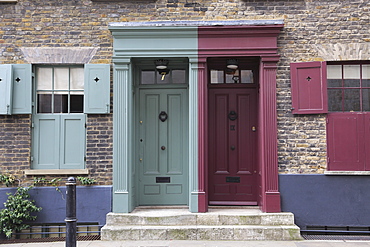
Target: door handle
(232,147)
(163,148)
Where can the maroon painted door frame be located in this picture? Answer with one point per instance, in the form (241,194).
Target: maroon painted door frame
(243,41)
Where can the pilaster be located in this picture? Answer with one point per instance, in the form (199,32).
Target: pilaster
(122,116)
(202,135)
(268,135)
(193,135)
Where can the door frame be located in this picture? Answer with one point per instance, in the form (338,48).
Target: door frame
(243,42)
(196,41)
(245,63)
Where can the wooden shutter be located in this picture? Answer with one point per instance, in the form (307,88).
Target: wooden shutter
(366,116)
(72,141)
(5,89)
(97,89)
(346,141)
(59,141)
(46,141)
(22,89)
(309,90)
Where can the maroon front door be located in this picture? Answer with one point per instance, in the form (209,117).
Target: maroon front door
(232,146)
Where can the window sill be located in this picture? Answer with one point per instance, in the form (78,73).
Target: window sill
(57,172)
(351,173)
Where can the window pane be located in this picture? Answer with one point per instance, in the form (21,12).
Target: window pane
(334,71)
(366,75)
(217,76)
(61,103)
(147,77)
(247,76)
(44,78)
(334,82)
(166,78)
(77,103)
(77,78)
(178,76)
(335,99)
(352,100)
(233,77)
(351,75)
(44,103)
(61,78)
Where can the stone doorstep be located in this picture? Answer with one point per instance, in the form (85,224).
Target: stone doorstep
(181,217)
(200,232)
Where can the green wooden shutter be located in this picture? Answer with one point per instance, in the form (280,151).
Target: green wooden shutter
(46,144)
(97,89)
(22,89)
(72,149)
(5,89)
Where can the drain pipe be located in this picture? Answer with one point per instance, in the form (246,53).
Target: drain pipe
(71,221)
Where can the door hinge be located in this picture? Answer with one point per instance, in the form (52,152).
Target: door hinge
(85,125)
(31,158)
(84,158)
(32,125)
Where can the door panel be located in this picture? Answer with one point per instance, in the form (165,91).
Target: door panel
(163,144)
(232,146)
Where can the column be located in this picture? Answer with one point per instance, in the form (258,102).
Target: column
(122,130)
(268,135)
(202,136)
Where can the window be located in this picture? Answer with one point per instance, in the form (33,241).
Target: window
(348,87)
(341,89)
(174,76)
(228,76)
(64,94)
(60,89)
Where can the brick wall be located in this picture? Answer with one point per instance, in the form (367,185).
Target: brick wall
(312,29)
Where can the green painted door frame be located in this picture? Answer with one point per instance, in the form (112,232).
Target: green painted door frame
(132,43)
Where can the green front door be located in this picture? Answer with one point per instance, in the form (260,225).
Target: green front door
(163,142)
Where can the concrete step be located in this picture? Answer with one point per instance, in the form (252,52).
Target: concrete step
(172,217)
(245,232)
(217,224)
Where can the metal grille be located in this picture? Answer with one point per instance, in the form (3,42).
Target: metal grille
(55,232)
(335,237)
(336,233)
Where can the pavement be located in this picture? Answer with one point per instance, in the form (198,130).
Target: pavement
(192,243)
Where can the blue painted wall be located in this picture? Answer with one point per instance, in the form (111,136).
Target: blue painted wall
(326,200)
(315,200)
(93,203)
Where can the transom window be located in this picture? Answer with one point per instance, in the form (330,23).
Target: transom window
(231,76)
(348,87)
(175,76)
(60,89)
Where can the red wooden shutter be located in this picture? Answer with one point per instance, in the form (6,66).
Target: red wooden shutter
(309,92)
(345,141)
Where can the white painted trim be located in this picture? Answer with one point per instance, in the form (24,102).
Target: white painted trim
(8,1)
(57,172)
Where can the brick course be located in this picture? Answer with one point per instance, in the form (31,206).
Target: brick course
(313,30)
